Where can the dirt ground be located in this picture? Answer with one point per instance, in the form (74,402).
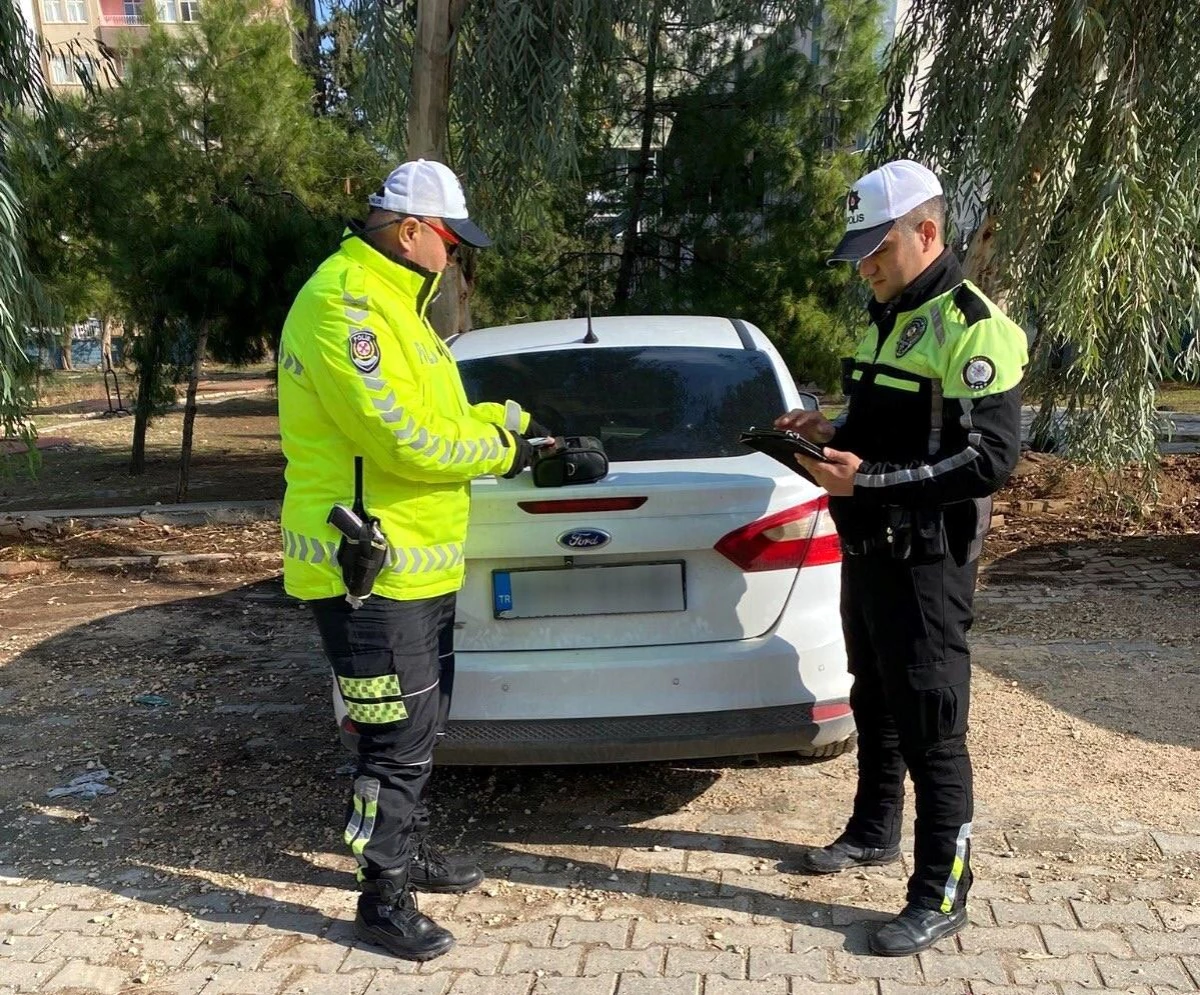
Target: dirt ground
(1084,719)
(236,455)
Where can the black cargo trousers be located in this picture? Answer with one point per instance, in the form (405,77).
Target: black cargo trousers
(394,665)
(906,627)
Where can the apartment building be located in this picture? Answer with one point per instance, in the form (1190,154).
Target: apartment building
(75,30)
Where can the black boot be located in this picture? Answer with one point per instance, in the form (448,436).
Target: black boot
(841,855)
(432,870)
(388,917)
(915,929)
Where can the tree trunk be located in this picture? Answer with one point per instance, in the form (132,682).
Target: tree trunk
(106,362)
(189,413)
(64,350)
(631,242)
(429,132)
(149,371)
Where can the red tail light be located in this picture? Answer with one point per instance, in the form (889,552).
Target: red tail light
(798,537)
(580,505)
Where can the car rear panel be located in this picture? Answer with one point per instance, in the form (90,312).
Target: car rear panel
(687,509)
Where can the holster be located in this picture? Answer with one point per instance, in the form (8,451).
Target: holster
(577,459)
(362,558)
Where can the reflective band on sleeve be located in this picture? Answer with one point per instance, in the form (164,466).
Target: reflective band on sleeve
(961,847)
(512,416)
(967,422)
(918,472)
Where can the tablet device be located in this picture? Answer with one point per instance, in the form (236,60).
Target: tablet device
(782,446)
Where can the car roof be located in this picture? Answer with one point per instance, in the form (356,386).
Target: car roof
(625,331)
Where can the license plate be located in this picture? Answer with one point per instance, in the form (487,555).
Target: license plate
(624,589)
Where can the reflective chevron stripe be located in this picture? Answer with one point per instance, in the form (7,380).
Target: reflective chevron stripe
(400,559)
(404,426)
(424,559)
(307,549)
(291,364)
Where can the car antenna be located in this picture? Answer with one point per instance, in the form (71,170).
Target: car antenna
(590,337)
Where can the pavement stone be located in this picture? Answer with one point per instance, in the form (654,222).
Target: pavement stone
(1167,971)
(1096,916)
(564,961)
(398,983)
(602,984)
(613,933)
(647,962)
(688,984)
(80,974)
(317,983)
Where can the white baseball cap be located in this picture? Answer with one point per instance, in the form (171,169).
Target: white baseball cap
(424,188)
(877,200)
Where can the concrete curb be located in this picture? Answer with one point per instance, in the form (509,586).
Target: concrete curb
(202,513)
(17,569)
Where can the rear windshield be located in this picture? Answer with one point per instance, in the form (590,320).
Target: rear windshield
(657,403)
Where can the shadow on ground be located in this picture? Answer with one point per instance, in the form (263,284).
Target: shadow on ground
(210,711)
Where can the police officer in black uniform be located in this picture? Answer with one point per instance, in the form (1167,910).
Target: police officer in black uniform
(932,429)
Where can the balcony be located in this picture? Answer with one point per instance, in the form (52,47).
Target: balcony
(117,20)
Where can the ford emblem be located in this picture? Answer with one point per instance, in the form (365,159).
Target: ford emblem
(584,539)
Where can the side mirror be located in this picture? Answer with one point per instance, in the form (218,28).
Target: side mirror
(809,401)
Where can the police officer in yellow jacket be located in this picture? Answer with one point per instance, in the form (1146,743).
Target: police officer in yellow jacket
(374,419)
(932,429)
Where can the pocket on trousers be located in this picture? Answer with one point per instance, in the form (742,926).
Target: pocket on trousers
(932,675)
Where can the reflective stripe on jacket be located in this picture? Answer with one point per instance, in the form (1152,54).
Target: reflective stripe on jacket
(362,373)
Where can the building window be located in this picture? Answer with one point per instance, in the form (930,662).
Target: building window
(62,70)
(77,12)
(166,11)
(189,10)
(53,12)
(132,11)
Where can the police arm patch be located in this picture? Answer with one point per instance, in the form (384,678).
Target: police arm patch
(364,350)
(979,372)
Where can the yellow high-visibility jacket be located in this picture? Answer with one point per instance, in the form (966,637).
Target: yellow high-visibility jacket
(362,373)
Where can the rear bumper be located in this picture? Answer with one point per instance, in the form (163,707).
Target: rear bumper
(623,739)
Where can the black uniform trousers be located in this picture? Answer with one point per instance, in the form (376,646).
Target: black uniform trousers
(413,640)
(906,641)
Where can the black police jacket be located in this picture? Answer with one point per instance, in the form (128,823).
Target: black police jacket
(934,410)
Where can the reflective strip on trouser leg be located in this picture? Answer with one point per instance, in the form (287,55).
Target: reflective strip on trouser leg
(362,820)
(957,868)
(373,700)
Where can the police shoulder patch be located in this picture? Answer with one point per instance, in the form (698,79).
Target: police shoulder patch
(911,335)
(978,372)
(364,350)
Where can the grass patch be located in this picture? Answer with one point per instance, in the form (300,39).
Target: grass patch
(1181,397)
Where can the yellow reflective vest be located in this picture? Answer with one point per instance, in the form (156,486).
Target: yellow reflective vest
(362,373)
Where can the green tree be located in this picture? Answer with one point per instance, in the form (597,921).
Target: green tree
(21,90)
(1074,130)
(748,203)
(211,191)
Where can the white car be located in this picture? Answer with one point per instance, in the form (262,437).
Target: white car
(684,606)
